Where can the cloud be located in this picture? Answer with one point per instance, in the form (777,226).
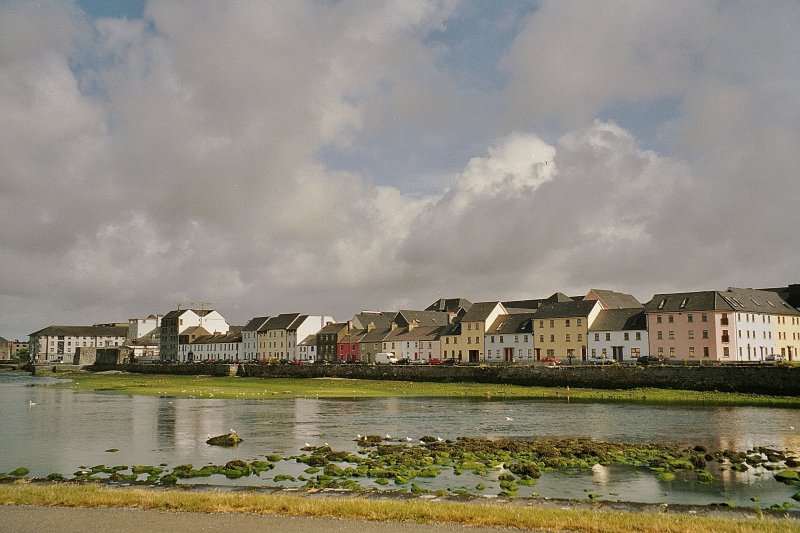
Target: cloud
(322,157)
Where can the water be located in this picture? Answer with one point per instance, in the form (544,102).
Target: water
(66,430)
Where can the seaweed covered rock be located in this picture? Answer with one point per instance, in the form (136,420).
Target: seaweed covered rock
(227,440)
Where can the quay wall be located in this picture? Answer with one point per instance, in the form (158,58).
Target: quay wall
(758,379)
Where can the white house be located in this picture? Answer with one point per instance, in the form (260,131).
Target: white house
(303,327)
(414,342)
(510,339)
(307,349)
(215,347)
(619,334)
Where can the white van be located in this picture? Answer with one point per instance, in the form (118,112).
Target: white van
(386,358)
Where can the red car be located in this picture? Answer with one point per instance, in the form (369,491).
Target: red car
(550,361)
(435,361)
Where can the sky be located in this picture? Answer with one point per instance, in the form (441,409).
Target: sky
(327,157)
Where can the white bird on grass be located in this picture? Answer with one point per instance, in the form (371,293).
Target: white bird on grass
(509,419)
(31,403)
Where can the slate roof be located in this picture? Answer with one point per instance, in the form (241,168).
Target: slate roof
(617,300)
(381,319)
(424,318)
(219,338)
(565,309)
(790,294)
(513,323)
(178,312)
(310,340)
(419,333)
(82,331)
(619,320)
(333,327)
(195,330)
(757,301)
(449,305)
(678,302)
(479,311)
(536,303)
(376,335)
(255,323)
(282,321)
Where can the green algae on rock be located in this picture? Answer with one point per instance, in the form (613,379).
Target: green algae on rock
(227,440)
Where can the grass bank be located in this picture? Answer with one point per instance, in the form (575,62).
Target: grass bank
(473,514)
(261,388)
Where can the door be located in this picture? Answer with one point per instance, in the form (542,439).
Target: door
(508,354)
(617,352)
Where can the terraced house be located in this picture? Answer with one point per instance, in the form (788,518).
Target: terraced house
(473,325)
(562,328)
(509,339)
(733,325)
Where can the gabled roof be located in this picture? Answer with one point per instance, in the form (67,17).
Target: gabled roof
(82,331)
(619,320)
(196,330)
(420,333)
(678,302)
(565,309)
(353,336)
(282,321)
(381,319)
(297,322)
(512,323)
(423,318)
(333,327)
(255,323)
(178,312)
(479,311)
(376,335)
(616,300)
(449,305)
(789,293)
(452,329)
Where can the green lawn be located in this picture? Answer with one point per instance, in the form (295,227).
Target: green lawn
(268,388)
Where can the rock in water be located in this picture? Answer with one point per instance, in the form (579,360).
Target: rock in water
(228,439)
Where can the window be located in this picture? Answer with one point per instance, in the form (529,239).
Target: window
(705,333)
(469,326)
(516,339)
(635,352)
(627,336)
(691,334)
(672,351)
(597,336)
(726,352)
(492,337)
(690,317)
(525,338)
(541,338)
(659,334)
(552,323)
(501,339)
(672,335)
(670,319)
(705,351)
(578,322)
(658,319)
(567,322)
(552,338)
(638,335)
(594,352)
(580,337)
(608,336)
(541,323)
(691,351)
(567,339)
(704,317)
(724,319)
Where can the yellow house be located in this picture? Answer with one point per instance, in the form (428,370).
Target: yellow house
(468,343)
(561,329)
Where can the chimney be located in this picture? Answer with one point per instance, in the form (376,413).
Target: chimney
(370,326)
(394,326)
(413,324)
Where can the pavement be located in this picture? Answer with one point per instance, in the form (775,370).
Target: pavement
(37,519)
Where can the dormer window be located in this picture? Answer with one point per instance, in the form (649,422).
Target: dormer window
(663,302)
(683,303)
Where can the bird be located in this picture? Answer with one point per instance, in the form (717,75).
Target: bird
(509,419)
(440,439)
(308,445)
(790,427)
(31,403)
(388,436)
(232,430)
(408,439)
(358,436)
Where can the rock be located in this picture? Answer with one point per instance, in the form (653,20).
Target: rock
(227,440)
(790,477)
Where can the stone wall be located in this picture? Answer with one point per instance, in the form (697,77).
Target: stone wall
(764,379)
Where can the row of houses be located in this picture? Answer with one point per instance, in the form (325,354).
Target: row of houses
(724,326)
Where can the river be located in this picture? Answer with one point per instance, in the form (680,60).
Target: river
(49,429)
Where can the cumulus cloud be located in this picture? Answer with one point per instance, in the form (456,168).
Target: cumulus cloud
(186,156)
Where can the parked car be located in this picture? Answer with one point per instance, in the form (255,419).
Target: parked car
(650,359)
(419,362)
(601,361)
(550,361)
(435,361)
(403,361)
(450,361)
(773,357)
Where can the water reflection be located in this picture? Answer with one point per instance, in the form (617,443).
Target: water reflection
(65,430)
